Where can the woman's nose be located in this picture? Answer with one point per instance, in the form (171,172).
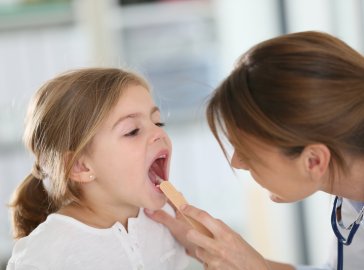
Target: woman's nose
(238,163)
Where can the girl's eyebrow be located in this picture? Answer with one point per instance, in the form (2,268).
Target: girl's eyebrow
(133,115)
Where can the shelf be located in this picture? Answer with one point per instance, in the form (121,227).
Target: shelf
(158,13)
(14,17)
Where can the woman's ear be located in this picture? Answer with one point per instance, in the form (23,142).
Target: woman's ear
(316,158)
(81,171)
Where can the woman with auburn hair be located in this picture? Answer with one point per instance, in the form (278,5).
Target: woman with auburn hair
(293,109)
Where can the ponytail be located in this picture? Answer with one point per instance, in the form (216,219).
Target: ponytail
(31,205)
(61,120)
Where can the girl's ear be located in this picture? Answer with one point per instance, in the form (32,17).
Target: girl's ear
(316,158)
(81,172)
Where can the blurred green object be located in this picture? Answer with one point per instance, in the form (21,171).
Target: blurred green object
(43,1)
(35,13)
(33,6)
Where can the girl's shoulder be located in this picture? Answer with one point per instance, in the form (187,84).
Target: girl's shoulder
(50,237)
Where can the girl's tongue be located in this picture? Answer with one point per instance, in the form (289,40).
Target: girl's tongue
(152,177)
(156,172)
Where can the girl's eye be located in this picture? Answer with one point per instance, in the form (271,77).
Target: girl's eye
(160,124)
(132,133)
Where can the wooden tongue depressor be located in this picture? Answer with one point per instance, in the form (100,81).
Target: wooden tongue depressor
(177,199)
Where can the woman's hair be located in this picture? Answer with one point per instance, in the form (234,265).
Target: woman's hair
(292,91)
(62,119)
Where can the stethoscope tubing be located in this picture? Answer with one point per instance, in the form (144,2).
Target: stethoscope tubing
(341,240)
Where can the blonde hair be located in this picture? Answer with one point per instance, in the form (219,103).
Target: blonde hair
(62,119)
(292,91)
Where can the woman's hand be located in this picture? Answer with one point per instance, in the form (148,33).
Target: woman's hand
(177,226)
(226,250)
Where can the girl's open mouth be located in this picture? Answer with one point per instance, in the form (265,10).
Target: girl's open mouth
(157,170)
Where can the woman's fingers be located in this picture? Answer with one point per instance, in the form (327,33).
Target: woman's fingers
(211,249)
(201,240)
(215,226)
(161,216)
(226,249)
(177,226)
(211,262)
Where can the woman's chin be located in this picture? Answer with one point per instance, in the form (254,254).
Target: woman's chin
(276,199)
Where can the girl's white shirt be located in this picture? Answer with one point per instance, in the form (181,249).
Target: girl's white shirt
(62,242)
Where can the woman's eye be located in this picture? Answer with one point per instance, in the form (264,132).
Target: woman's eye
(159,124)
(132,133)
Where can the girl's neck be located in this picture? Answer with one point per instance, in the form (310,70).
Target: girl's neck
(99,217)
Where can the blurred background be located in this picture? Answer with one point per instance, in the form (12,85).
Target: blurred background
(184,48)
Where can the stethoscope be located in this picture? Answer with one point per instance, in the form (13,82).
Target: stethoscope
(336,218)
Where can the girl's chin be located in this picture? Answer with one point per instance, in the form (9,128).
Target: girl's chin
(157,203)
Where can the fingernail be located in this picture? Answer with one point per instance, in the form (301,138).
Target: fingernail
(183,207)
(148,211)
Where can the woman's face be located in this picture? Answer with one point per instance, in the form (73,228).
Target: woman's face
(129,149)
(286,178)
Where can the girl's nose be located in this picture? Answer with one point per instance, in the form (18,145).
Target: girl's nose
(157,134)
(237,162)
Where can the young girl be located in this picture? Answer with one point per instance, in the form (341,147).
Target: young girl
(99,146)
